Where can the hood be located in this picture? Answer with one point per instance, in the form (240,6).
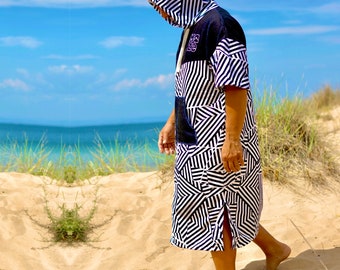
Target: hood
(183,13)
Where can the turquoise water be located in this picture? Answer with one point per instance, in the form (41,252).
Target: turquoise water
(125,137)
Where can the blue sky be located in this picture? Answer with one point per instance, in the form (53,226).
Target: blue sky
(79,62)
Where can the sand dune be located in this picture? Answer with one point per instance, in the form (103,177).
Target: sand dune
(134,210)
(137,236)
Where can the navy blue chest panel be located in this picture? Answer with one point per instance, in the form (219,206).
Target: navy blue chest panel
(204,36)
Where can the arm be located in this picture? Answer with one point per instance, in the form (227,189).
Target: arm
(166,138)
(235,106)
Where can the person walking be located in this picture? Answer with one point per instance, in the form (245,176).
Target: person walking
(217,176)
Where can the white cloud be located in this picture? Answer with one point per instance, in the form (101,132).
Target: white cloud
(293,30)
(113,42)
(36,79)
(119,72)
(72,3)
(104,79)
(253,6)
(293,22)
(332,39)
(74,57)
(15,84)
(28,42)
(125,84)
(23,72)
(330,8)
(70,70)
(161,81)
(283,6)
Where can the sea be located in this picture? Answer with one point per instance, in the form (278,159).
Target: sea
(80,141)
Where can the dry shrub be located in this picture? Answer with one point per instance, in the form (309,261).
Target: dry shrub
(324,98)
(290,145)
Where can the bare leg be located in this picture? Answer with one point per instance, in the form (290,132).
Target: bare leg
(225,260)
(275,251)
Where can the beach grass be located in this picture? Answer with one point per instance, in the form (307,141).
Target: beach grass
(71,167)
(289,142)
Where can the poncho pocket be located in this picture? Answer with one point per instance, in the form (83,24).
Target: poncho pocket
(185,133)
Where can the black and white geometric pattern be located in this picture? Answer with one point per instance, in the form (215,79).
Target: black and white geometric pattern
(184,13)
(203,189)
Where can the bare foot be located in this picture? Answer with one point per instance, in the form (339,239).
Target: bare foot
(273,261)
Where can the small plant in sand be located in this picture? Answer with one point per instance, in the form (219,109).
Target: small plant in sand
(166,169)
(70,174)
(70,227)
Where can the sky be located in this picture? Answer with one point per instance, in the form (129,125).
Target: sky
(93,62)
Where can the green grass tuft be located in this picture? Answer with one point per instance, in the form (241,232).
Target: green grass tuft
(70,227)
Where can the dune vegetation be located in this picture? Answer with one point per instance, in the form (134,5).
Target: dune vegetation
(290,144)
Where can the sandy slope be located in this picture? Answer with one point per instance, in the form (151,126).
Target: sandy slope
(135,208)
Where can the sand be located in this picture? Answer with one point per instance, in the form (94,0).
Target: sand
(133,214)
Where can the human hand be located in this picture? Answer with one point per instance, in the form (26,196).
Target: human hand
(166,139)
(232,154)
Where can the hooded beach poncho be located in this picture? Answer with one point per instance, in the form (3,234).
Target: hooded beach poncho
(214,56)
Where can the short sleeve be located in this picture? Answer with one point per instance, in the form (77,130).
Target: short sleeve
(230,65)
